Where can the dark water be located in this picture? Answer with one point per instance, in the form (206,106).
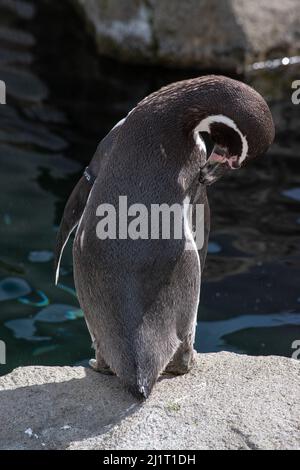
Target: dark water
(61,100)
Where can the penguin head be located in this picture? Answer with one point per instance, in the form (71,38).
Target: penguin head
(242,130)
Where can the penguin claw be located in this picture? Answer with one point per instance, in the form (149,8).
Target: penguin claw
(101,369)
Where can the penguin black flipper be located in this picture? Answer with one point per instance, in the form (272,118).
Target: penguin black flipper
(77,201)
(71,216)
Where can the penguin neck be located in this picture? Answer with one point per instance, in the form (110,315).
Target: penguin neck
(172,121)
(177,110)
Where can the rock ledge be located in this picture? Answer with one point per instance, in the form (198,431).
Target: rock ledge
(228,401)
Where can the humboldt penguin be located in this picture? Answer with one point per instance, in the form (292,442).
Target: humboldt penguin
(140,295)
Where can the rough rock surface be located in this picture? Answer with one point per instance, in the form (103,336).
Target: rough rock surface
(225,34)
(228,401)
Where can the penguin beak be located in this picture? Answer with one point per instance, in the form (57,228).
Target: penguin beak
(218,164)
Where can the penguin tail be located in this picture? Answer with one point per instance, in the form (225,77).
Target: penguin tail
(140,385)
(139,391)
(150,355)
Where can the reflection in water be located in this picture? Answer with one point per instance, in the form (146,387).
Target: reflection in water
(60,104)
(211,335)
(55,313)
(293,193)
(40,256)
(12,288)
(41,302)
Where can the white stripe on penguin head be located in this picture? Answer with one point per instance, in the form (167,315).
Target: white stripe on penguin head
(204,126)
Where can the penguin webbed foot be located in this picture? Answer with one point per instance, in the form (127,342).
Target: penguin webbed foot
(181,363)
(100,366)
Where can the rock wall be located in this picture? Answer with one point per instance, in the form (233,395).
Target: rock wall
(223,34)
(227,401)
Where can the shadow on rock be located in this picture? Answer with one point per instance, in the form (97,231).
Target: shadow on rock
(55,412)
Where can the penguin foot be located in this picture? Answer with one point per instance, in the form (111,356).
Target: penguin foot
(181,363)
(101,368)
(173,369)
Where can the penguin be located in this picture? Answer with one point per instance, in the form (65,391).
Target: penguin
(140,296)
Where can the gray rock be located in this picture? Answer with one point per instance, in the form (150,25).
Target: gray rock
(227,34)
(227,401)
